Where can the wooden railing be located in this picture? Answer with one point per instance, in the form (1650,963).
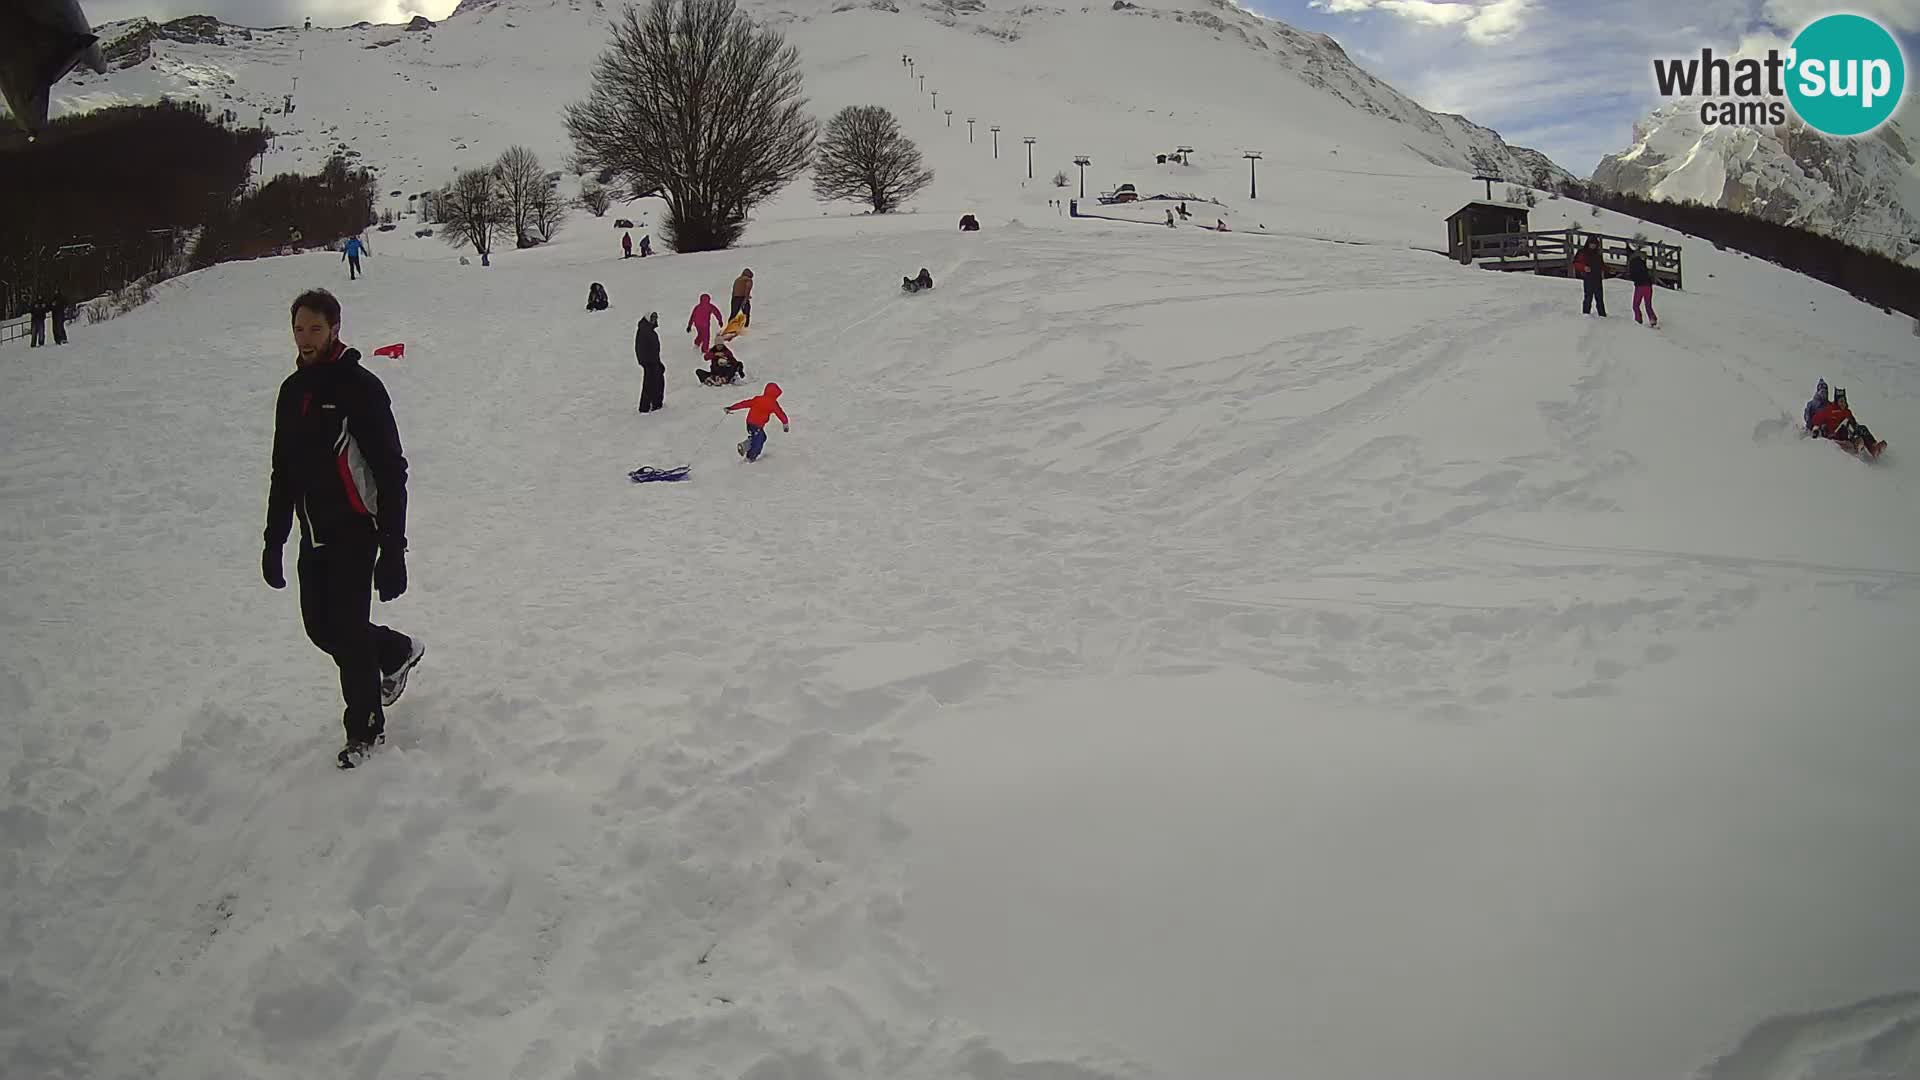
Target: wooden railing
(1553,252)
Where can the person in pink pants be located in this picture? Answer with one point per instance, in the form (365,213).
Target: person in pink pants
(1642,279)
(705,314)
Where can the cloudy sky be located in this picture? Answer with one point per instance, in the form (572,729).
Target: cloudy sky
(1567,77)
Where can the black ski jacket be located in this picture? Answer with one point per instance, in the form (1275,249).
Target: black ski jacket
(1637,271)
(646,346)
(337,463)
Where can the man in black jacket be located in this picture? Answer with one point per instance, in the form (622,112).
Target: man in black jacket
(646,349)
(338,468)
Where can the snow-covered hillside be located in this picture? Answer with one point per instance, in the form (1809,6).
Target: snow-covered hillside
(1865,191)
(415,104)
(1154,653)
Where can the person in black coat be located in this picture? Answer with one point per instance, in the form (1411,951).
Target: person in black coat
(38,309)
(1591,266)
(59,314)
(339,471)
(646,349)
(1642,278)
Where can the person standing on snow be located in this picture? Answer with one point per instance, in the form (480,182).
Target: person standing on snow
(626,245)
(646,245)
(743,297)
(758,410)
(351,256)
(1642,278)
(38,310)
(704,315)
(339,470)
(1591,267)
(653,373)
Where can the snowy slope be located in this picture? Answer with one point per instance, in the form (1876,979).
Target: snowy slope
(417,104)
(1865,191)
(1153,653)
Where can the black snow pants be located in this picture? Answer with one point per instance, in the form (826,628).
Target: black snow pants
(1594,297)
(336,603)
(353,267)
(653,387)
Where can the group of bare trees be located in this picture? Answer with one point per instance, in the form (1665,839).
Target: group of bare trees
(514,197)
(695,103)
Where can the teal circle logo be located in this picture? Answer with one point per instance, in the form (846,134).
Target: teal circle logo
(1846,75)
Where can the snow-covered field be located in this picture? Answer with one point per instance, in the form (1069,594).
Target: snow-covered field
(1151,654)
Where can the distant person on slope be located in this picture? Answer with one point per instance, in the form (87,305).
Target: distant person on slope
(626,245)
(646,245)
(759,409)
(743,297)
(338,469)
(1642,278)
(653,373)
(1591,267)
(705,314)
(351,256)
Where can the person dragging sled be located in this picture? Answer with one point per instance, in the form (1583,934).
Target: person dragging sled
(1642,278)
(351,256)
(758,410)
(1591,268)
(743,298)
(338,469)
(705,314)
(653,373)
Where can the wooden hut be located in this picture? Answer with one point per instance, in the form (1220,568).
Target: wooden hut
(1482,217)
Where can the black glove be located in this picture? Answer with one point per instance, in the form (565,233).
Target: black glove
(270,567)
(390,570)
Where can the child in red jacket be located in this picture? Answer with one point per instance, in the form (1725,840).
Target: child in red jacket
(758,410)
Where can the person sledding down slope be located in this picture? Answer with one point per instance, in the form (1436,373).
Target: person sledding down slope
(917,284)
(1835,421)
(722,366)
(759,409)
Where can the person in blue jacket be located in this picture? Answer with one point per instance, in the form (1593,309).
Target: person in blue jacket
(355,246)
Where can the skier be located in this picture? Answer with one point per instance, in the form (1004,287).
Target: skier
(758,410)
(626,245)
(1815,404)
(646,349)
(351,256)
(1591,267)
(1642,279)
(705,314)
(743,297)
(338,468)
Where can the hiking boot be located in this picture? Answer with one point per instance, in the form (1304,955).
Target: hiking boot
(392,686)
(357,751)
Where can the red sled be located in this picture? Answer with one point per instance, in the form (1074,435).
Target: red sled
(394,351)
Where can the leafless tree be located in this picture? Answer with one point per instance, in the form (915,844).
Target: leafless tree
(596,199)
(473,210)
(520,179)
(694,101)
(864,156)
(548,209)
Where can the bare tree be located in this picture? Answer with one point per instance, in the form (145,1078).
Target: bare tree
(864,156)
(474,211)
(596,198)
(520,178)
(1060,179)
(548,209)
(692,100)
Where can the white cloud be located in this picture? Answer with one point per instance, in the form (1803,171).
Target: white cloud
(1483,20)
(1791,15)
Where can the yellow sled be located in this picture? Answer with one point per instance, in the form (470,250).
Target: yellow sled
(734,328)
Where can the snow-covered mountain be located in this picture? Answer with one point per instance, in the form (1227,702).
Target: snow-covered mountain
(1865,190)
(1197,72)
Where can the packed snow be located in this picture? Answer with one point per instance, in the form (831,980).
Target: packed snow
(1152,653)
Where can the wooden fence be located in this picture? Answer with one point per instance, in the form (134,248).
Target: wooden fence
(1552,253)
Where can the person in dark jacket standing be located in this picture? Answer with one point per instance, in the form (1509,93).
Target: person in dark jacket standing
(59,315)
(646,349)
(338,469)
(1591,267)
(1642,278)
(38,310)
